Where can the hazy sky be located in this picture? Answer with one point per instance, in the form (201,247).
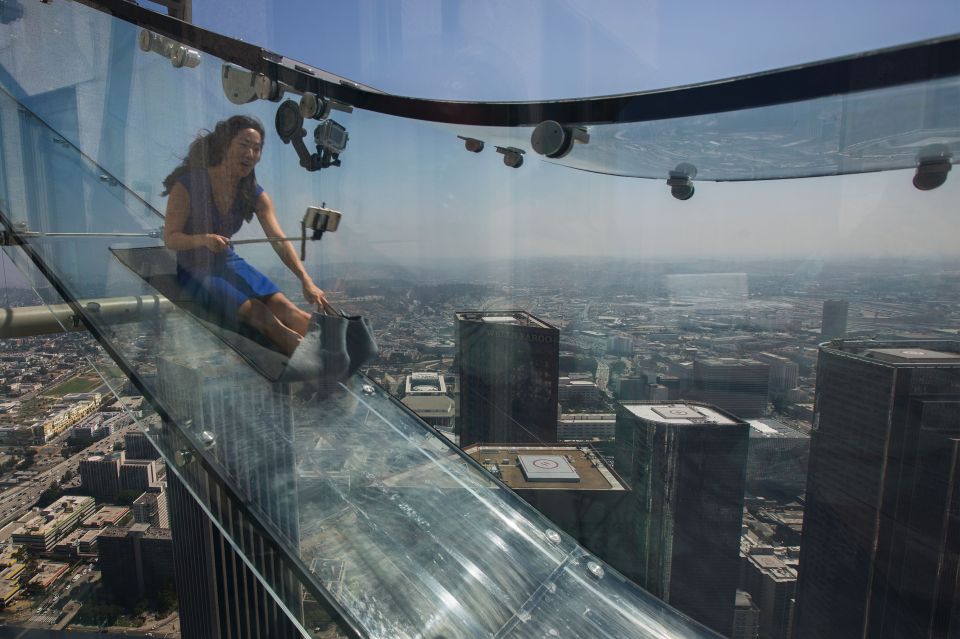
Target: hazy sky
(409,192)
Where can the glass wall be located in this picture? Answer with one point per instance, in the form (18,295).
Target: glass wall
(624,339)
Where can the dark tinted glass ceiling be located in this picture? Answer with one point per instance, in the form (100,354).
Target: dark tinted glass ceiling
(549,49)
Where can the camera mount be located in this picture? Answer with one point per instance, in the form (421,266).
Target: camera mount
(329,137)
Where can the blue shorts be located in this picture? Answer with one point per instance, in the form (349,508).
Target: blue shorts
(222,290)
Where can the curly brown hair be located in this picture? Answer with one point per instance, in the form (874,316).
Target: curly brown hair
(209,148)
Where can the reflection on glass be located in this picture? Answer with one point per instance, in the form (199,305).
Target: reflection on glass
(643,369)
(338,492)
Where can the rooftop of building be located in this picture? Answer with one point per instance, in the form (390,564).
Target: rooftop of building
(106,515)
(111,457)
(728,362)
(899,352)
(425,383)
(770,427)
(547,466)
(679,413)
(146,531)
(510,317)
(773,566)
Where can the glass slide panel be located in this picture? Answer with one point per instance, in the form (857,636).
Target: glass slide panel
(372,510)
(876,130)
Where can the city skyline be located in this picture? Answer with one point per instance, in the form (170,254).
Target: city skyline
(330,502)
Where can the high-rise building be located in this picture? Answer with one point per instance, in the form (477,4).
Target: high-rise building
(575,489)
(135,562)
(777,458)
(773,585)
(100,475)
(746,618)
(248,425)
(509,367)
(881,537)
(738,386)
(136,475)
(151,507)
(686,465)
(783,371)
(138,446)
(634,387)
(833,322)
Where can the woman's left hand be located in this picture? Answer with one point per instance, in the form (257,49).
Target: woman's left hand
(312,294)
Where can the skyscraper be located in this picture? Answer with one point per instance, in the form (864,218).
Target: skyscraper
(151,507)
(137,446)
(746,619)
(575,489)
(136,475)
(135,562)
(100,475)
(686,465)
(509,367)
(250,429)
(833,323)
(881,538)
(739,386)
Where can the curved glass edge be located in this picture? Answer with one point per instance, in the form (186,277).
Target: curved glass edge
(906,64)
(881,130)
(299,460)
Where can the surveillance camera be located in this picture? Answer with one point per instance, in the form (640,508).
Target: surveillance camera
(472,144)
(554,140)
(512,156)
(932,172)
(682,191)
(331,136)
(680,181)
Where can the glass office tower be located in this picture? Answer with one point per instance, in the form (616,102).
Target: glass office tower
(879,544)
(638,234)
(509,368)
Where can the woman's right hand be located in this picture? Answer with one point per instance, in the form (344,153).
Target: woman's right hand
(215,243)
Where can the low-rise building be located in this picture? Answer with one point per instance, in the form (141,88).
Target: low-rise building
(106,516)
(48,526)
(586,426)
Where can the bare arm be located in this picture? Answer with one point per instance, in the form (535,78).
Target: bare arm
(271,227)
(178,211)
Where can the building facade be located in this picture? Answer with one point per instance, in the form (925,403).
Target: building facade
(250,427)
(738,386)
(135,563)
(575,489)
(509,371)
(881,538)
(686,466)
(833,323)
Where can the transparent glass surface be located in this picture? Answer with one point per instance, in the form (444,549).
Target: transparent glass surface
(801,334)
(879,130)
(376,514)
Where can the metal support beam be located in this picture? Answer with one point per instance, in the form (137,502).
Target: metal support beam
(28,321)
(179,9)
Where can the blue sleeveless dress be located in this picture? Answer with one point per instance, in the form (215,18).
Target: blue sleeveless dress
(218,282)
